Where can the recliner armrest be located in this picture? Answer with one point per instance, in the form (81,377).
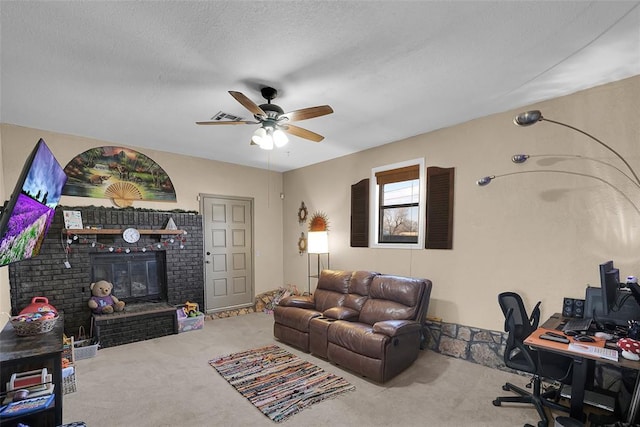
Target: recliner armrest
(341,313)
(300,301)
(392,328)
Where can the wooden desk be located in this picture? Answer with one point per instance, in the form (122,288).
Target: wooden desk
(582,367)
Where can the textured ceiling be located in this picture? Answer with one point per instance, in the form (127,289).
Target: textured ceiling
(141,73)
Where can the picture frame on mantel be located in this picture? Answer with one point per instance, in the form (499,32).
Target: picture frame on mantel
(72,220)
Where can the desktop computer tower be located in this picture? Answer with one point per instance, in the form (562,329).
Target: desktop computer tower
(628,311)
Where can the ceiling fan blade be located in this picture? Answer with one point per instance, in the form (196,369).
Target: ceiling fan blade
(302,133)
(227,122)
(307,113)
(247,103)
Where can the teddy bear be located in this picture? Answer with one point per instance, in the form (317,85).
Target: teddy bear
(102,302)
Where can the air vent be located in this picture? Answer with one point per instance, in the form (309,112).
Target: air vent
(222,116)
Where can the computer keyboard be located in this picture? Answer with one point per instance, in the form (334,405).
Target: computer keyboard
(577,324)
(592,350)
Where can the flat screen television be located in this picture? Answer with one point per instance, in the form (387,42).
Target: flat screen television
(609,283)
(27,215)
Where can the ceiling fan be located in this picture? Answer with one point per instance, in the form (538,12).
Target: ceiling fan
(274,121)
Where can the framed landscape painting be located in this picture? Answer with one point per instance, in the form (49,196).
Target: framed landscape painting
(117,173)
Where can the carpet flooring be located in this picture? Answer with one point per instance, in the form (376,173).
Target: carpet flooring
(168,382)
(278,383)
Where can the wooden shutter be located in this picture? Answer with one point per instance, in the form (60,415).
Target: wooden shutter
(360,214)
(439,208)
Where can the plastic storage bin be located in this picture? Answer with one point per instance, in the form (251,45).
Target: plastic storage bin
(186,323)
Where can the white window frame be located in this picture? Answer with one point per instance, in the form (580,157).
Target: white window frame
(374,206)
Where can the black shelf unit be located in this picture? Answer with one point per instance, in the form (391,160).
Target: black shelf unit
(21,354)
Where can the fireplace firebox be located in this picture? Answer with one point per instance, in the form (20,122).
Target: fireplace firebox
(136,277)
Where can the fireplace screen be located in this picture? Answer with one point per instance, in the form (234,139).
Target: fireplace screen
(135,277)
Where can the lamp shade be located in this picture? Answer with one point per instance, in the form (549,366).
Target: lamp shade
(318,242)
(258,136)
(280,138)
(528,118)
(485,180)
(520,158)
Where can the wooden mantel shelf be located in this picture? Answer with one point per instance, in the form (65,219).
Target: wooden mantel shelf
(92,231)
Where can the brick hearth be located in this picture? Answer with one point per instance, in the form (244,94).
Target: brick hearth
(139,322)
(68,289)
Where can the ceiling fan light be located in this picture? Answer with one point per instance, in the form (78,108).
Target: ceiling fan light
(258,136)
(280,138)
(267,143)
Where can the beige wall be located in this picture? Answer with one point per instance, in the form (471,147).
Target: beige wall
(539,234)
(190,176)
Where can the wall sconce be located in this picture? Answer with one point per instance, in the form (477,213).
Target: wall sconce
(531,117)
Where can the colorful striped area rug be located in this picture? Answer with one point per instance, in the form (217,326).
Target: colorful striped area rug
(278,383)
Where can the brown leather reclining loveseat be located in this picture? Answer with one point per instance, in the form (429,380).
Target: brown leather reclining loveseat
(367,322)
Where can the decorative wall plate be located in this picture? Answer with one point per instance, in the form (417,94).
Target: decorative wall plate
(319,222)
(302,244)
(302,213)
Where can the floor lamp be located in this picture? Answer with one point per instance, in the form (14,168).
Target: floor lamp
(318,244)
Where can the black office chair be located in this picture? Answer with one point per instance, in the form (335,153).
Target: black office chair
(520,357)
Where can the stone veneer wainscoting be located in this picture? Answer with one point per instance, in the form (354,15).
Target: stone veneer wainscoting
(261,302)
(464,342)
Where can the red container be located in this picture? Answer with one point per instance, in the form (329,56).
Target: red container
(39,305)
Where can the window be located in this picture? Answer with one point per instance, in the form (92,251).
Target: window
(398,205)
(404,205)
(398,212)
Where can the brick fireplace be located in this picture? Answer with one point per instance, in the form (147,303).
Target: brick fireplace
(179,272)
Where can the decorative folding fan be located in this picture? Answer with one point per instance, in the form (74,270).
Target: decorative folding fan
(123,193)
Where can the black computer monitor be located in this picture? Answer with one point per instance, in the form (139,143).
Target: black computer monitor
(609,283)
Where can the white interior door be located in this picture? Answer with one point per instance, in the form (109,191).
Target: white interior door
(228,244)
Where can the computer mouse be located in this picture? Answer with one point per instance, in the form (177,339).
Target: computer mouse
(584,338)
(571,333)
(604,335)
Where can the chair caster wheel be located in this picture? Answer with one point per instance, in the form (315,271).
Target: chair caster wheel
(542,424)
(496,402)
(505,387)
